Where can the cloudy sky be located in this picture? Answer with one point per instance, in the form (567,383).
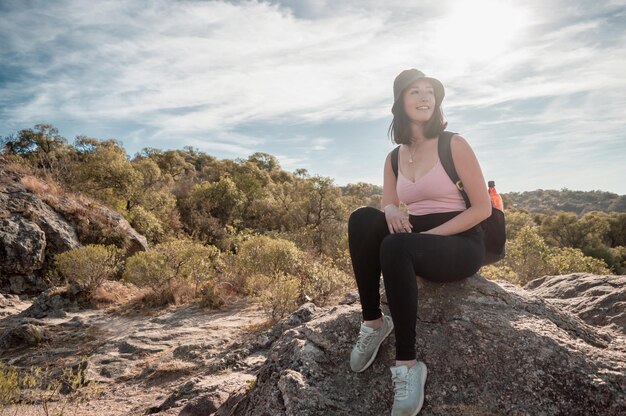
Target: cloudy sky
(537,87)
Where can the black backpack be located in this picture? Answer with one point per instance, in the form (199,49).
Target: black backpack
(494,227)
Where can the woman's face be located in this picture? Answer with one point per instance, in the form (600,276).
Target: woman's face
(419,101)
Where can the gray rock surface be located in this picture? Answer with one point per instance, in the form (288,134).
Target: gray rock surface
(11,305)
(23,335)
(491,349)
(23,245)
(54,301)
(597,300)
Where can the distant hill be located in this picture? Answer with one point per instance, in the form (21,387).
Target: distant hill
(547,201)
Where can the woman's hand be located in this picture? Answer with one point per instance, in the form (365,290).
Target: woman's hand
(396,220)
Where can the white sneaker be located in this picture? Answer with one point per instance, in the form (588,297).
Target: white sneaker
(408,384)
(368,343)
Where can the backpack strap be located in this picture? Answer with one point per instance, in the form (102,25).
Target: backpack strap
(394,160)
(445,156)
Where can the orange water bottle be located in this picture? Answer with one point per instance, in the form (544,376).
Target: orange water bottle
(496,200)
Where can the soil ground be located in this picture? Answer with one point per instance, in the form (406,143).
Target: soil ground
(137,362)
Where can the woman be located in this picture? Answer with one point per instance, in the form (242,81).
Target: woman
(440,240)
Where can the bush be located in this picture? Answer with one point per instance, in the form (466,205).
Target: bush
(570,260)
(170,266)
(529,257)
(54,389)
(499,272)
(321,280)
(261,257)
(280,275)
(147,224)
(90,265)
(280,295)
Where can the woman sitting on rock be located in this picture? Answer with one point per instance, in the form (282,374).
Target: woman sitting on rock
(439,241)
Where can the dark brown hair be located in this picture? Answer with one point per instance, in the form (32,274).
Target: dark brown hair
(400,131)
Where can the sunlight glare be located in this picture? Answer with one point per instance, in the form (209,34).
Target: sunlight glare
(479,30)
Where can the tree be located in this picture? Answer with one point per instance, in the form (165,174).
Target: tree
(515,220)
(527,255)
(105,173)
(325,213)
(560,230)
(43,147)
(571,260)
(264,161)
(361,194)
(172,163)
(210,207)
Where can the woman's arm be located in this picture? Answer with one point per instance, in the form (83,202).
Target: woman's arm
(397,221)
(471,176)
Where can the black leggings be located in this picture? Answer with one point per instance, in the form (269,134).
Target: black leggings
(402,256)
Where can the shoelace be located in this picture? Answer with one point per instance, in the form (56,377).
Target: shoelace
(400,387)
(364,339)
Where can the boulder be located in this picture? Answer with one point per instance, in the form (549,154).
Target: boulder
(52,302)
(597,300)
(37,225)
(22,245)
(23,335)
(491,349)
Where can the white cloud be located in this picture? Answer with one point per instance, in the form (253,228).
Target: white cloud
(185,70)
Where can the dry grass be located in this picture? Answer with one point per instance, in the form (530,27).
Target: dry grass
(169,370)
(44,187)
(258,328)
(15,164)
(113,293)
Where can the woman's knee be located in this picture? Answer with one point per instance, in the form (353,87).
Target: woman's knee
(364,216)
(394,247)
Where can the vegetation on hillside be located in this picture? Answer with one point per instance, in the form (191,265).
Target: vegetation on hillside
(551,201)
(246,227)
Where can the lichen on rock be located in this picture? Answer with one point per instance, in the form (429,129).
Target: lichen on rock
(491,349)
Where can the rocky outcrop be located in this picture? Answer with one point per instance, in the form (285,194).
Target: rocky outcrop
(54,302)
(491,349)
(35,225)
(597,300)
(25,334)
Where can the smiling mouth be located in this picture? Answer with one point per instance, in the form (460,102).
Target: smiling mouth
(423,108)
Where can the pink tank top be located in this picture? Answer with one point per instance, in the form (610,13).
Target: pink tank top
(433,192)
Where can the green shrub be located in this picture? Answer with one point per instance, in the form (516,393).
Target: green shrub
(529,257)
(20,388)
(90,265)
(280,295)
(499,272)
(147,224)
(321,280)
(261,257)
(170,265)
(570,260)
(280,275)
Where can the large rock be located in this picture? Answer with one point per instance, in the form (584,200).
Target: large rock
(491,349)
(53,302)
(23,335)
(598,300)
(23,244)
(37,225)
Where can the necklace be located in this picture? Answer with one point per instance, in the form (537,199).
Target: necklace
(411,154)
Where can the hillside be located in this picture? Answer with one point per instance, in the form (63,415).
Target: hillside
(548,201)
